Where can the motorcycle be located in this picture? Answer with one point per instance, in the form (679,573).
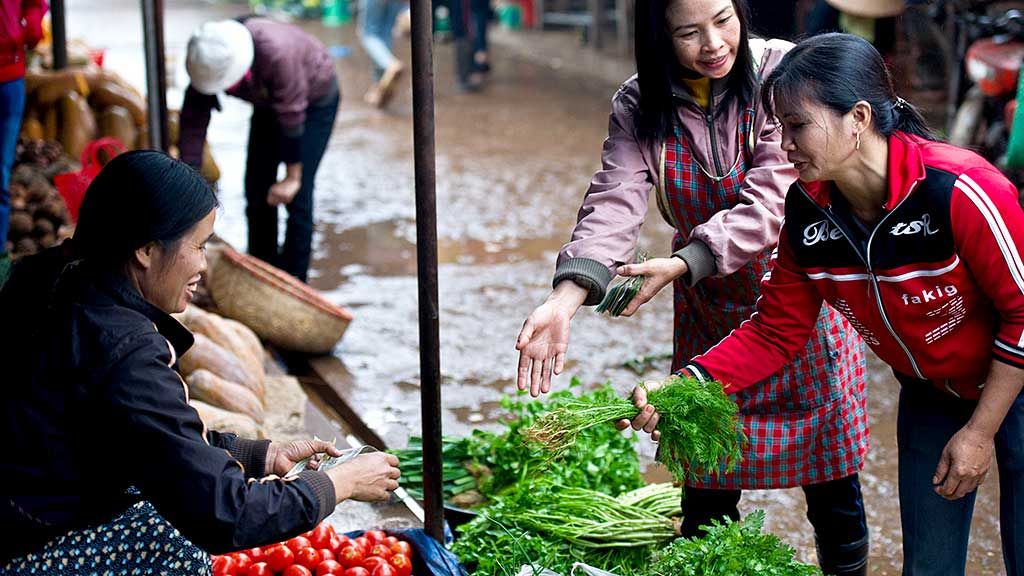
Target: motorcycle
(987,54)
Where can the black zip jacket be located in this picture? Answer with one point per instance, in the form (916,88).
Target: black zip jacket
(91,405)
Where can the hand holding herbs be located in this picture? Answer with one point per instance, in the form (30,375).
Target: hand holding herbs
(700,432)
(650,277)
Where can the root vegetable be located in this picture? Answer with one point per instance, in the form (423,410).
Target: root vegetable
(21,223)
(206,353)
(43,226)
(25,247)
(212,389)
(78,125)
(225,421)
(116,122)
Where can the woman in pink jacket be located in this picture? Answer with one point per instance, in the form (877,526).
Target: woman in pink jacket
(689,125)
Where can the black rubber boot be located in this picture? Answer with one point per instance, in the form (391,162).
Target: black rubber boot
(845,559)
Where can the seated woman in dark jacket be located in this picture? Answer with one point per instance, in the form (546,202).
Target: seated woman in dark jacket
(102,445)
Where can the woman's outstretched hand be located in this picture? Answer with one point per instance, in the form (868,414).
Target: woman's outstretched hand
(544,339)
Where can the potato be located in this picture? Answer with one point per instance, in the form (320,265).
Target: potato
(21,223)
(43,226)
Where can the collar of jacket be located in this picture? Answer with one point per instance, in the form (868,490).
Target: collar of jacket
(905,165)
(680,92)
(118,287)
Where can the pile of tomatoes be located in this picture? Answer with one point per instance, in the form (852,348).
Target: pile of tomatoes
(320,552)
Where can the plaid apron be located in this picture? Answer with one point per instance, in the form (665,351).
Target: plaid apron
(807,423)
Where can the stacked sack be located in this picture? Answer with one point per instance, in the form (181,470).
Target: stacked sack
(78,105)
(224,372)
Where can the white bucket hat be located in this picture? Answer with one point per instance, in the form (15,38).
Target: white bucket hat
(219,55)
(870,8)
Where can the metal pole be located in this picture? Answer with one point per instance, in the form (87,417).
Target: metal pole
(426,262)
(156,73)
(58,29)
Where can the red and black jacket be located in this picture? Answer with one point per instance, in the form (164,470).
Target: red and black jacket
(936,289)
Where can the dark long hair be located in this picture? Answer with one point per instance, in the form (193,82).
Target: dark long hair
(137,198)
(656,66)
(837,71)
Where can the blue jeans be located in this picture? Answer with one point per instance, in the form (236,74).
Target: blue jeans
(12,104)
(376,20)
(936,530)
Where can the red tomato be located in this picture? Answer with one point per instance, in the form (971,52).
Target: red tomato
(381,550)
(350,557)
(260,569)
(255,553)
(371,562)
(297,543)
(402,547)
(297,570)
(390,540)
(320,537)
(329,567)
(223,566)
(384,570)
(242,562)
(325,554)
(401,564)
(280,557)
(356,571)
(342,542)
(364,543)
(307,557)
(375,536)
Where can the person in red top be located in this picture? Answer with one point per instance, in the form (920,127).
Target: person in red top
(20,26)
(918,243)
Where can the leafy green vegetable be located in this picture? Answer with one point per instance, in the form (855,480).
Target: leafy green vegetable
(731,549)
(619,296)
(699,428)
(549,526)
(602,459)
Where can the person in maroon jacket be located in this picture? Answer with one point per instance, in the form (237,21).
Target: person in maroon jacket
(918,243)
(289,77)
(20,27)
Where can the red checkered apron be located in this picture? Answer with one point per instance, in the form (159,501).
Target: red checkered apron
(806,423)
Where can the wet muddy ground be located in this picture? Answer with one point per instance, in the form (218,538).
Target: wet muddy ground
(513,163)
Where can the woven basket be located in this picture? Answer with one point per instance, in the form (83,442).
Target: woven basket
(277,306)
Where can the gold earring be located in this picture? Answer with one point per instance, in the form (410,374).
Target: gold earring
(857,145)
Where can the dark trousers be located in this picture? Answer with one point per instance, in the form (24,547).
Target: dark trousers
(261,173)
(936,530)
(834,508)
(480,16)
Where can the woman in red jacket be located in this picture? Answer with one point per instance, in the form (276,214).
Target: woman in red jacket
(20,27)
(918,244)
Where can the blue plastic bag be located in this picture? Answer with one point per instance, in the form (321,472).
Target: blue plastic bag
(429,557)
